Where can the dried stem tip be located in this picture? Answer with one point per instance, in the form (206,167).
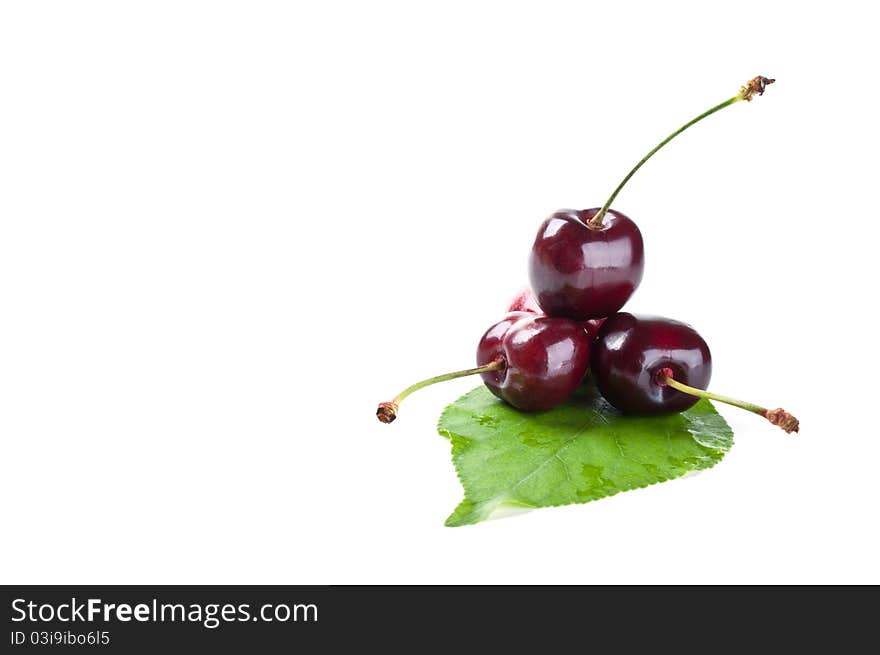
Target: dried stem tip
(783,419)
(754,86)
(386,412)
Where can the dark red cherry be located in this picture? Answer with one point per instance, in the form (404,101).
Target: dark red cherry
(524,301)
(581,270)
(653,365)
(587,263)
(632,355)
(532,361)
(545,359)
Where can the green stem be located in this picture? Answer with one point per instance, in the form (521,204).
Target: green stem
(752,87)
(776,416)
(387,411)
(702,393)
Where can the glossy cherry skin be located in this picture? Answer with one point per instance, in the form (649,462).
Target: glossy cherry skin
(579,271)
(546,359)
(627,357)
(525,301)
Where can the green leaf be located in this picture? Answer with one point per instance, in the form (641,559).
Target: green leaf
(581,451)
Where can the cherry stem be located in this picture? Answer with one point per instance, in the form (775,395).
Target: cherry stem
(751,88)
(776,416)
(387,411)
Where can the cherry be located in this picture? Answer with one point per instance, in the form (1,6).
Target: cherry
(586,264)
(582,271)
(546,359)
(531,361)
(652,365)
(525,301)
(628,352)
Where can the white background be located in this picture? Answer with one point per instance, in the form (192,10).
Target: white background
(229,229)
